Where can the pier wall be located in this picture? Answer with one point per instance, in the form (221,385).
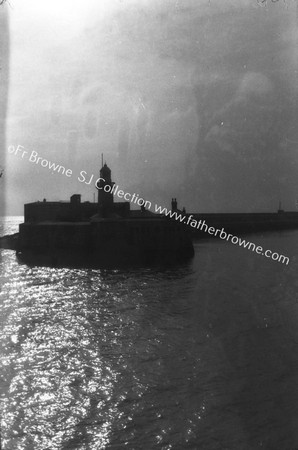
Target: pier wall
(247,222)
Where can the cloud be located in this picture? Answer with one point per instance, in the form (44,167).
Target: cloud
(254,84)
(192,95)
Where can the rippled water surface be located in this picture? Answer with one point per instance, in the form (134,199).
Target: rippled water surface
(200,356)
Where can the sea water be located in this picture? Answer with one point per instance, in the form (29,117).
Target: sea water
(198,356)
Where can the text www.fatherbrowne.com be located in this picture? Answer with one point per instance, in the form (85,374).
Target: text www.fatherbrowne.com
(202,226)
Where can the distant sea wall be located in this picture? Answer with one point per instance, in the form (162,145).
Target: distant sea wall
(246,222)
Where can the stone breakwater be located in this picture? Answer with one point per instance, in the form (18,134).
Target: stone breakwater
(9,242)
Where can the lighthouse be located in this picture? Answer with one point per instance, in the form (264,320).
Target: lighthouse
(105,191)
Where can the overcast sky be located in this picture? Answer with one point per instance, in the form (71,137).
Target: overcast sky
(194,99)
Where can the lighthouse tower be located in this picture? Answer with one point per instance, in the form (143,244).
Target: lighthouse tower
(105,191)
